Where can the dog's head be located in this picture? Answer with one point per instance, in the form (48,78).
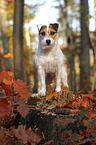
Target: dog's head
(48,35)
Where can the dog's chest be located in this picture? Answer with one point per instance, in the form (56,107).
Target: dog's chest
(49,63)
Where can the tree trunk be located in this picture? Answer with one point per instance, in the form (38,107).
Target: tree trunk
(4,35)
(18,49)
(71,46)
(95,12)
(84,54)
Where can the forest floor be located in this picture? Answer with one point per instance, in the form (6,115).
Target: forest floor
(57,119)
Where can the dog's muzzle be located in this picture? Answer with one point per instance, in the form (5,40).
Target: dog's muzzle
(47,43)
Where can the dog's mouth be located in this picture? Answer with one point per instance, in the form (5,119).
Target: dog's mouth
(46,46)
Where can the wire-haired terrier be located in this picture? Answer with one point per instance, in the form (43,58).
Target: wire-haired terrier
(49,57)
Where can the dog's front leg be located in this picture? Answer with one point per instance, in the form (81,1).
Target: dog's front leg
(41,73)
(58,80)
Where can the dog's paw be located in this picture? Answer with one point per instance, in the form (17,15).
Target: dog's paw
(42,93)
(58,89)
(66,86)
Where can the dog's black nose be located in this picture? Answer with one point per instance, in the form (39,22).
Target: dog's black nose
(48,41)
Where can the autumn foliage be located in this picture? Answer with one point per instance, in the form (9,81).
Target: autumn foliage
(14,97)
(13,93)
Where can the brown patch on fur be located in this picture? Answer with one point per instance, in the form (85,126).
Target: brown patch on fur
(43,30)
(43,27)
(51,30)
(54,26)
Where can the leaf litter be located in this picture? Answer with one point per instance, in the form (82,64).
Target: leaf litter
(81,107)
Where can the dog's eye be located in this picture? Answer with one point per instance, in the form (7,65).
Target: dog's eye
(43,33)
(52,33)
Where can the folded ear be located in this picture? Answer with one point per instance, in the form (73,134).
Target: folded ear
(55,26)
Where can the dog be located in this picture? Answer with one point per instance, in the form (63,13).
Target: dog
(49,57)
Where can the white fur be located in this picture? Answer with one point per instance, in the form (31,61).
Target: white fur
(49,58)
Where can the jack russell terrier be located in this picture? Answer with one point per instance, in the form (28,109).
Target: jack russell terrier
(49,57)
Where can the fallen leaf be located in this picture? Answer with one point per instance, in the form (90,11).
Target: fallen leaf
(34,99)
(51,90)
(68,105)
(49,96)
(7,89)
(7,82)
(93,132)
(4,107)
(27,135)
(90,115)
(34,137)
(83,133)
(50,142)
(10,73)
(64,88)
(88,140)
(4,75)
(21,88)
(20,134)
(23,110)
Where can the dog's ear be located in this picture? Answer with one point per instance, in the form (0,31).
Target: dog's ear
(39,27)
(55,26)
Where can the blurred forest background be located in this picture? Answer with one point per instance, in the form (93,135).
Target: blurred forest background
(18,43)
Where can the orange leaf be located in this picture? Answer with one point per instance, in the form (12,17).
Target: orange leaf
(64,88)
(51,90)
(7,82)
(90,115)
(68,105)
(10,73)
(80,93)
(93,97)
(49,96)
(51,93)
(21,88)
(4,75)
(9,54)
